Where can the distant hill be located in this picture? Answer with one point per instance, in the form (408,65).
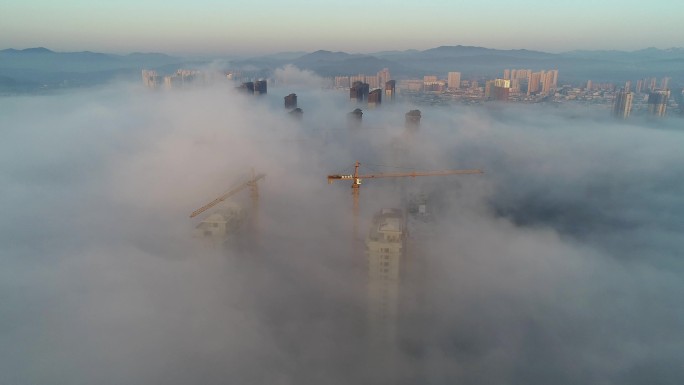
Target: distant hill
(37,68)
(481,62)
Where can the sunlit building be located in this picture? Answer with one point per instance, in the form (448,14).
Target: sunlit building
(622,105)
(533,83)
(390,90)
(454,80)
(500,89)
(383,77)
(150,78)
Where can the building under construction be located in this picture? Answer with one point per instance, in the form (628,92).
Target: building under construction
(227,219)
(385,246)
(221,226)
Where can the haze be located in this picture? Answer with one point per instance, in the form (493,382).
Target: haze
(258,27)
(562,264)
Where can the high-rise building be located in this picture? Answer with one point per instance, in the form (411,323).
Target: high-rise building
(342,82)
(297,113)
(354,118)
(664,83)
(657,102)
(652,84)
(385,248)
(589,85)
(260,87)
(507,74)
(383,76)
(622,105)
(247,87)
(372,81)
(412,122)
(359,91)
(499,89)
(390,90)
(489,84)
(533,82)
(375,97)
(639,86)
(357,78)
(291,101)
(454,80)
(150,78)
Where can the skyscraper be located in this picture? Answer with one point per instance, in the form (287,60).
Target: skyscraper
(354,118)
(657,102)
(500,89)
(385,250)
(664,83)
(359,91)
(454,80)
(383,76)
(622,105)
(297,113)
(260,87)
(533,82)
(390,90)
(374,97)
(150,78)
(247,87)
(291,101)
(412,122)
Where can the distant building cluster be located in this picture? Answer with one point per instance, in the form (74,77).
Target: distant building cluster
(373,81)
(182,78)
(649,95)
(259,87)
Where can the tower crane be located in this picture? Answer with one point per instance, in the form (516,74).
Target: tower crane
(356,179)
(251,183)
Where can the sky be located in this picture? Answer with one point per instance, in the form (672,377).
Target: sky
(211,27)
(561,264)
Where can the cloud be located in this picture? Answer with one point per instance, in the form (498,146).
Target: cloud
(292,76)
(561,264)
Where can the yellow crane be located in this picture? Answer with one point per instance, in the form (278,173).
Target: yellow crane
(356,179)
(251,183)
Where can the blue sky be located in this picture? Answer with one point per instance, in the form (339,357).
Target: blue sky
(263,26)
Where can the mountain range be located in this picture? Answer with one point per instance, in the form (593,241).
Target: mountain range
(32,69)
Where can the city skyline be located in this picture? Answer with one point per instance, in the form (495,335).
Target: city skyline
(210,28)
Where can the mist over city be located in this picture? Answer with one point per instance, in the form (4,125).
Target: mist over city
(303,203)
